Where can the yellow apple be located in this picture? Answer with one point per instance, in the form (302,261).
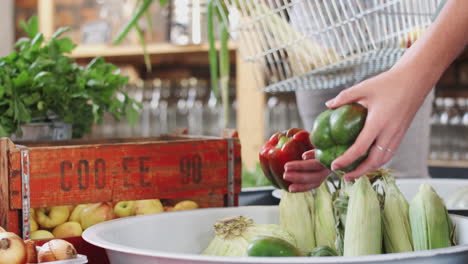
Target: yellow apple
(151,206)
(41,234)
(124,208)
(95,214)
(68,229)
(32,212)
(50,217)
(185,205)
(76,213)
(71,207)
(33,225)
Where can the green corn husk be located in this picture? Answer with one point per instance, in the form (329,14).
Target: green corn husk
(323,251)
(363,230)
(430,223)
(340,207)
(397,235)
(233,235)
(297,217)
(325,226)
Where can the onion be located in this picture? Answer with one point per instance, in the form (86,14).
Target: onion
(2,230)
(12,250)
(56,249)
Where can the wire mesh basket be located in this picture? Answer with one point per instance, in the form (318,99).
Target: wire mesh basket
(318,44)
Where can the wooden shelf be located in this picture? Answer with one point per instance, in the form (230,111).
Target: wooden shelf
(449,164)
(110,51)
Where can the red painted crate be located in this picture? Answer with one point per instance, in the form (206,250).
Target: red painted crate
(204,169)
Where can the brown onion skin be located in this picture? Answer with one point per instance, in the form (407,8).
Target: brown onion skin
(12,249)
(31,251)
(56,249)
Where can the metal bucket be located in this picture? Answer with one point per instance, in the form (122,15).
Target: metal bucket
(44,131)
(179,237)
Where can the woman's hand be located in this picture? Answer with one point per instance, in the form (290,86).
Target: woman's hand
(392,99)
(305,174)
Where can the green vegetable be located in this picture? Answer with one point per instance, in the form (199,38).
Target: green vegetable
(296,215)
(397,236)
(212,51)
(325,224)
(324,251)
(363,230)
(264,246)
(234,234)
(430,224)
(334,131)
(38,80)
(224,59)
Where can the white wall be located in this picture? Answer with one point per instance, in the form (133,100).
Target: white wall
(7,27)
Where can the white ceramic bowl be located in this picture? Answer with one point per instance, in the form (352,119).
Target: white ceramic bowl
(179,237)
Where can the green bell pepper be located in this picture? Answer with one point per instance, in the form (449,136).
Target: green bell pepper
(265,246)
(335,130)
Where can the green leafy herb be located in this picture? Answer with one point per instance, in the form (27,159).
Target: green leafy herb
(38,80)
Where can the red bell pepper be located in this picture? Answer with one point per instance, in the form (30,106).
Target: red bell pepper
(281,148)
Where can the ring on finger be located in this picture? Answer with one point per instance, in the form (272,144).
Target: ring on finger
(384,149)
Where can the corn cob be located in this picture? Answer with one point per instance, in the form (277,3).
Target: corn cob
(363,230)
(325,227)
(396,226)
(430,223)
(297,217)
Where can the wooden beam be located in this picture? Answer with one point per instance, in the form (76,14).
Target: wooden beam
(46,10)
(5,146)
(250,111)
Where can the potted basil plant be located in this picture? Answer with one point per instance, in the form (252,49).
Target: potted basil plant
(40,83)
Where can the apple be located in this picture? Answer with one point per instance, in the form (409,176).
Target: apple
(185,205)
(12,249)
(76,213)
(168,208)
(32,213)
(33,225)
(68,229)
(124,208)
(41,234)
(151,206)
(95,214)
(50,217)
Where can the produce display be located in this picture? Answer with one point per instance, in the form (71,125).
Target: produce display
(367,216)
(70,221)
(376,219)
(13,250)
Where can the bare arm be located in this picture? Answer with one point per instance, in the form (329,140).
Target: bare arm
(393,97)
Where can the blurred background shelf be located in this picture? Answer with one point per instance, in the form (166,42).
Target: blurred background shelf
(111,52)
(449,163)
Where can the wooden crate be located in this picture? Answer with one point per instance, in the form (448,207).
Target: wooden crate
(204,169)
